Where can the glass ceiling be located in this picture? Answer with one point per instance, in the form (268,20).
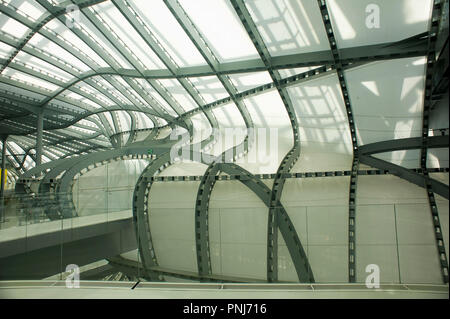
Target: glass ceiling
(124,66)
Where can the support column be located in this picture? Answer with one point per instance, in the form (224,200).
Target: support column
(3,178)
(40,128)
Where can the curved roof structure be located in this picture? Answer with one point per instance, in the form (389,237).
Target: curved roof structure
(341,86)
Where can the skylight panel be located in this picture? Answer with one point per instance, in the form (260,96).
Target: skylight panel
(222,29)
(267,110)
(91,32)
(29,79)
(394,109)
(143,120)
(81,98)
(14,28)
(322,119)
(92,91)
(15,147)
(365,22)
(31,8)
(55,50)
(405,158)
(124,120)
(130,91)
(166,29)
(155,95)
(127,36)
(247,81)
(5,50)
(112,90)
(289,26)
(285,73)
(109,118)
(39,65)
(210,88)
(78,44)
(179,94)
(17,90)
(228,115)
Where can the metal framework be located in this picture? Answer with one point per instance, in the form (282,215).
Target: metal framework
(84,135)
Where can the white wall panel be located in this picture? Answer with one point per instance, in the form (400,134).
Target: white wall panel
(414,224)
(388,189)
(319,191)
(419,264)
(327,225)
(238,231)
(375,225)
(329,263)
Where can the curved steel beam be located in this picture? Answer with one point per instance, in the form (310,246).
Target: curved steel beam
(337,57)
(404,144)
(59,11)
(290,158)
(409,175)
(287,229)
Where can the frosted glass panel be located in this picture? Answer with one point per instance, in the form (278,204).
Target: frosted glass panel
(354,22)
(373,95)
(289,26)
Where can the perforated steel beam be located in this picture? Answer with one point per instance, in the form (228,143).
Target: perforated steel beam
(290,158)
(404,144)
(40,24)
(283,222)
(407,174)
(355,162)
(428,96)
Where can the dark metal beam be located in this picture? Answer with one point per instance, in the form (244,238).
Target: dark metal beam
(407,174)
(337,58)
(404,144)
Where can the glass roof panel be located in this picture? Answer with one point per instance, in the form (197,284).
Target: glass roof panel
(13,27)
(289,26)
(91,33)
(364,22)
(387,107)
(5,50)
(31,8)
(210,88)
(247,81)
(32,80)
(155,95)
(323,125)
(126,36)
(166,29)
(290,72)
(222,29)
(179,94)
(55,50)
(65,34)
(43,67)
